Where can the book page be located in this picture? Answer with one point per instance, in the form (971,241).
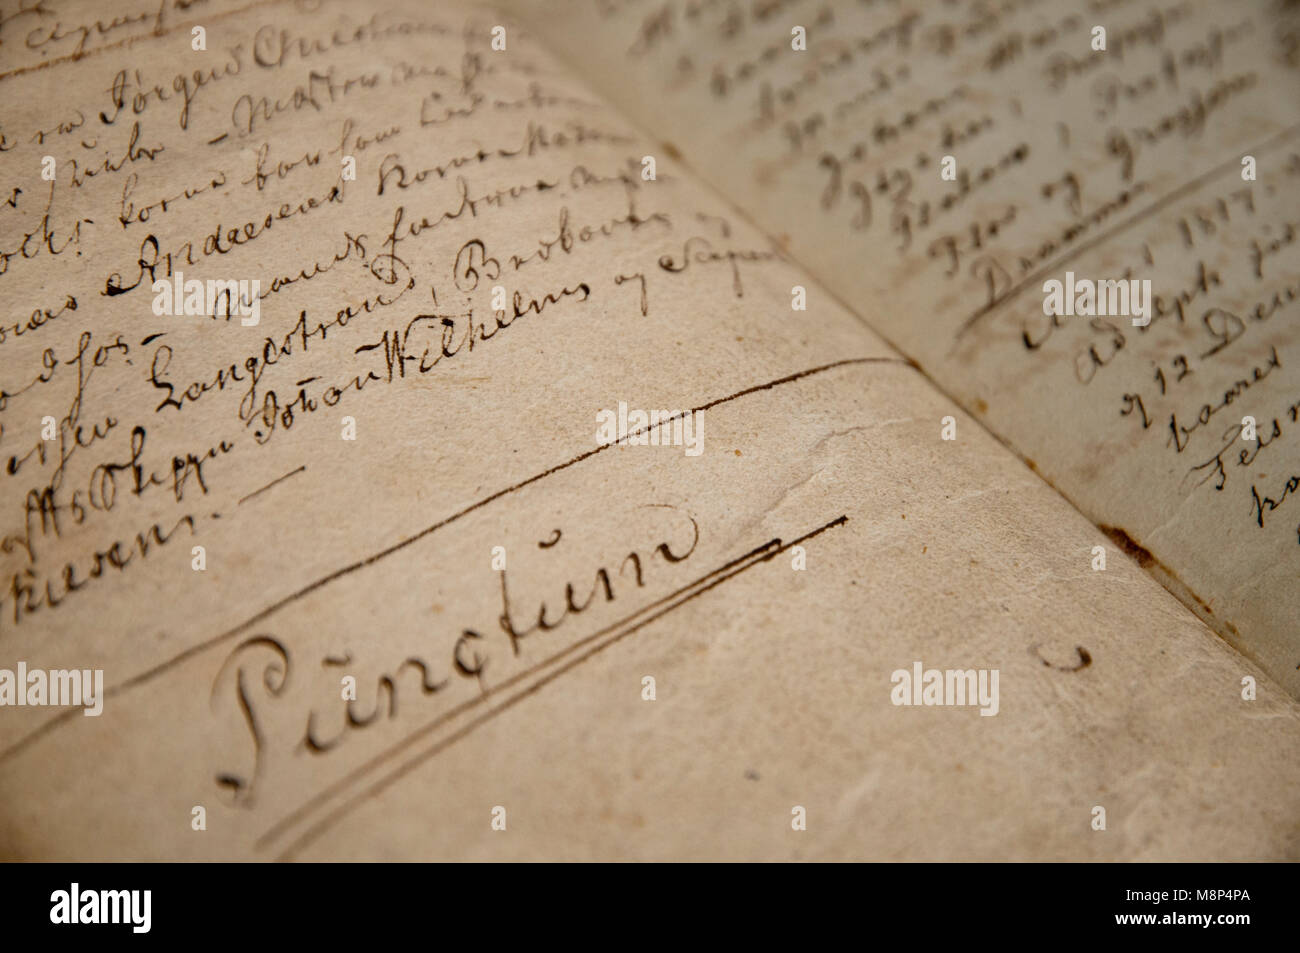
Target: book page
(937,165)
(412,476)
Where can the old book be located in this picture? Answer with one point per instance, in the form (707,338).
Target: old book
(649,430)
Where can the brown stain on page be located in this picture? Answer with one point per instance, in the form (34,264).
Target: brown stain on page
(1130,546)
(1146,559)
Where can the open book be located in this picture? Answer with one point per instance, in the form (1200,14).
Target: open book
(644,430)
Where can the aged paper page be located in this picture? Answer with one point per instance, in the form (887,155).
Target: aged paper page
(365,574)
(1171,157)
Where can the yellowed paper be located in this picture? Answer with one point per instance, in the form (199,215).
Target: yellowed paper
(936,165)
(366,577)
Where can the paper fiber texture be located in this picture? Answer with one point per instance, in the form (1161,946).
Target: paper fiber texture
(1166,160)
(386,558)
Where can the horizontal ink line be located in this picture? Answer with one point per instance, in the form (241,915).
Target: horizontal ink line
(276,829)
(271,484)
(131,40)
(735,567)
(1158,206)
(161,668)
